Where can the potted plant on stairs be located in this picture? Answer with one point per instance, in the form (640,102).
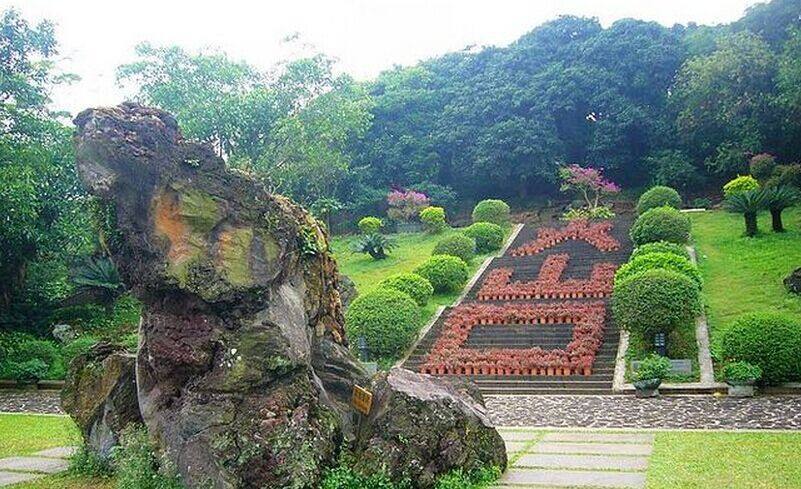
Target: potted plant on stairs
(648,377)
(741,377)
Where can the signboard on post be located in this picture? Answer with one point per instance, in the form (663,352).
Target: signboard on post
(362,400)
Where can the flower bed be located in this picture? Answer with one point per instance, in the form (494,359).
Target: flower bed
(499,286)
(450,356)
(596,234)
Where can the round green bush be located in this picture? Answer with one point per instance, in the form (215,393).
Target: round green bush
(660,247)
(488,236)
(433,219)
(771,341)
(741,373)
(762,166)
(491,210)
(445,272)
(658,196)
(456,245)
(417,287)
(739,185)
(655,301)
(370,225)
(663,261)
(661,224)
(387,319)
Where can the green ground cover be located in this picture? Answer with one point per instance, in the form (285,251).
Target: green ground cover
(67,481)
(22,434)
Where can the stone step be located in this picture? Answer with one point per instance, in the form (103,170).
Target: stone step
(546,383)
(593,448)
(529,391)
(583,462)
(594,437)
(573,478)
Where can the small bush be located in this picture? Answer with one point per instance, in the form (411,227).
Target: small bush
(370,225)
(600,212)
(343,477)
(655,301)
(78,346)
(762,166)
(661,224)
(492,210)
(660,247)
(658,196)
(740,185)
(418,288)
(741,373)
(32,360)
(701,203)
(476,479)
(489,237)
(387,318)
(446,273)
(772,341)
(663,261)
(458,244)
(138,466)
(653,367)
(87,463)
(786,175)
(433,219)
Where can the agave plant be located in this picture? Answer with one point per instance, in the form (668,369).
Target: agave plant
(747,203)
(375,244)
(98,277)
(776,200)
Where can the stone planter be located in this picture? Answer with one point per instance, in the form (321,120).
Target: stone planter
(647,388)
(741,390)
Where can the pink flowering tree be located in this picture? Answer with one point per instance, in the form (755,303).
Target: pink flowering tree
(405,205)
(589,182)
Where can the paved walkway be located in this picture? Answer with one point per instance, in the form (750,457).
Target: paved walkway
(681,412)
(38,402)
(580,459)
(23,469)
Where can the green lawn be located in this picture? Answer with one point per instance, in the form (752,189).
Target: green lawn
(22,434)
(66,481)
(725,459)
(745,274)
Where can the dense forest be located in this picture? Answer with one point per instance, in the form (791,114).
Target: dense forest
(686,106)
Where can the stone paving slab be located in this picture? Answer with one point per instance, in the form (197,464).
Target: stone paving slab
(594,448)
(519,435)
(515,446)
(591,462)
(573,478)
(8,478)
(599,437)
(33,464)
(58,452)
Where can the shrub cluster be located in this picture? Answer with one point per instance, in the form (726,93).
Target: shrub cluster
(492,210)
(771,341)
(433,219)
(661,224)
(370,225)
(387,319)
(665,261)
(741,184)
(459,245)
(445,272)
(741,373)
(488,236)
(418,288)
(653,367)
(658,196)
(660,247)
(26,359)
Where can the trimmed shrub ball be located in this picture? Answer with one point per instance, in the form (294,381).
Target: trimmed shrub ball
(488,236)
(433,219)
(456,245)
(772,341)
(739,185)
(655,301)
(664,261)
(370,225)
(661,224)
(417,287)
(387,318)
(660,247)
(658,196)
(491,210)
(445,272)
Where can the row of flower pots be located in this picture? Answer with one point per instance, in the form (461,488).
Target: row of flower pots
(596,234)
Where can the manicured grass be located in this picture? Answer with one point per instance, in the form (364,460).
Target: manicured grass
(22,434)
(725,459)
(745,274)
(66,481)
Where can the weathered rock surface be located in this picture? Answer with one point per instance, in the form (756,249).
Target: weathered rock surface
(793,281)
(100,395)
(347,291)
(422,427)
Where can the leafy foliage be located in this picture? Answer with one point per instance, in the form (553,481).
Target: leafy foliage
(660,247)
(491,210)
(138,466)
(661,224)
(370,225)
(417,287)
(771,341)
(741,373)
(740,185)
(653,367)
(588,182)
(658,196)
(433,218)
(659,261)
(488,236)
(459,245)
(445,273)
(388,319)
(376,245)
(747,203)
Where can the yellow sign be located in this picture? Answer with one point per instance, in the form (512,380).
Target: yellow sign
(362,400)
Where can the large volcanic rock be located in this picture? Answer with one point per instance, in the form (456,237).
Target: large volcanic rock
(421,427)
(100,395)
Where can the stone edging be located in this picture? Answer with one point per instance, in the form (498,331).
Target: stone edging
(619,379)
(702,337)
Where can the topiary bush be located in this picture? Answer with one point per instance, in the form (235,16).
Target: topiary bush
(655,301)
(492,210)
(741,184)
(489,237)
(762,166)
(370,225)
(445,272)
(417,287)
(456,245)
(388,320)
(653,367)
(741,373)
(658,196)
(663,261)
(433,219)
(661,224)
(769,340)
(660,247)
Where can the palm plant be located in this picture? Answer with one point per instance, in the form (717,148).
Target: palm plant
(375,244)
(776,200)
(98,277)
(747,203)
